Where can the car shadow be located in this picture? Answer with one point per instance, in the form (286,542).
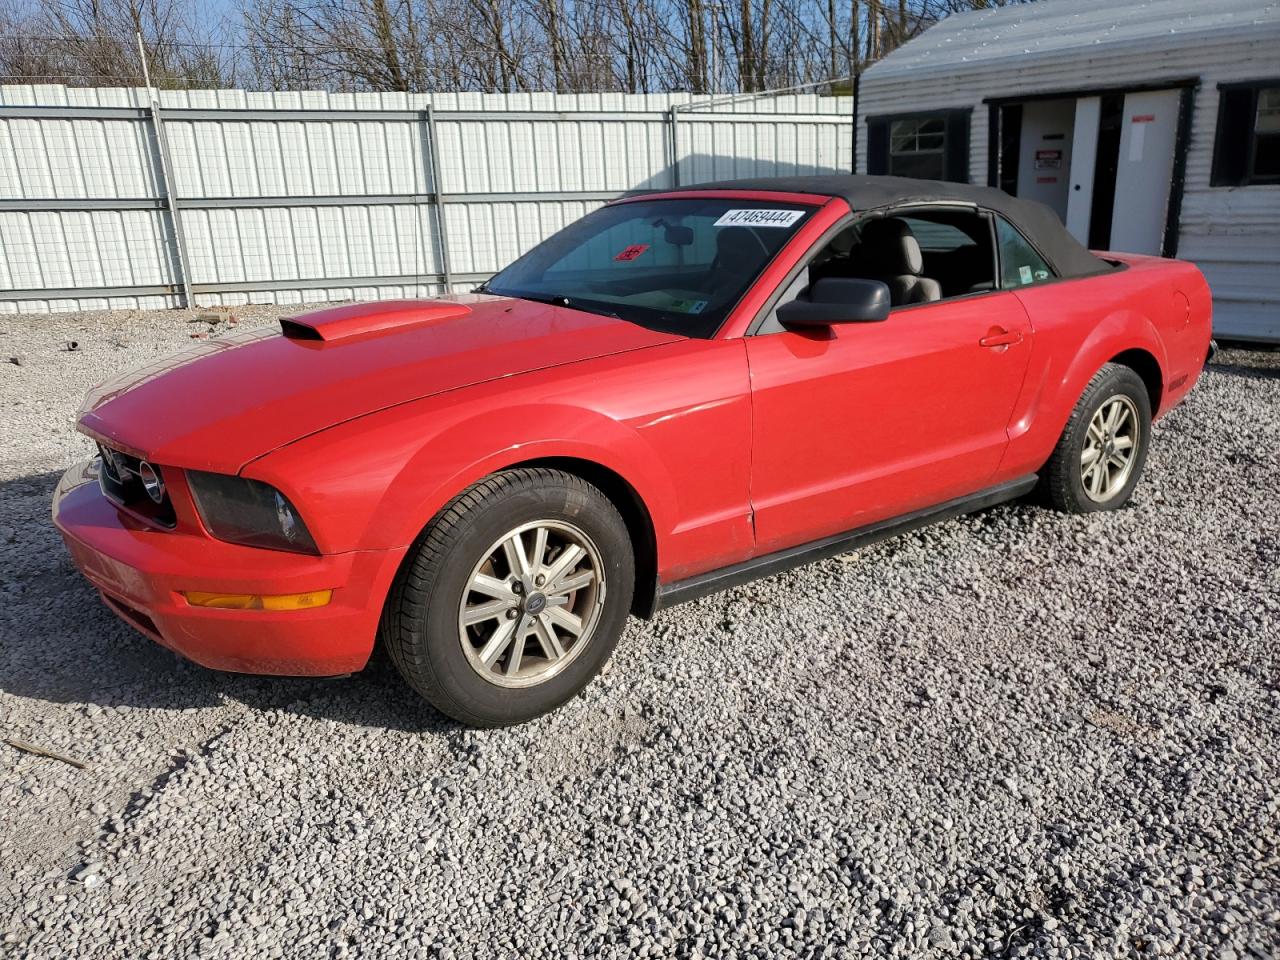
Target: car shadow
(1246,371)
(62,645)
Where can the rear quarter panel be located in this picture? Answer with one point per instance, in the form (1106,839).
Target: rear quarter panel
(1162,307)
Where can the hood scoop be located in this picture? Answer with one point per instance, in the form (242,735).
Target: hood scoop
(357,319)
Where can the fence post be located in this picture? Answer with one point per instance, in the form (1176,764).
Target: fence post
(675,145)
(437,193)
(166,179)
(171,201)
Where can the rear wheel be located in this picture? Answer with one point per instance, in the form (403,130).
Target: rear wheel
(513,598)
(1103,448)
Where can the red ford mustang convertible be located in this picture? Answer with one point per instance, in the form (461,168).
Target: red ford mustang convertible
(676,394)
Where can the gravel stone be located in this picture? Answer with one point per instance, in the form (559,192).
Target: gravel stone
(1018,734)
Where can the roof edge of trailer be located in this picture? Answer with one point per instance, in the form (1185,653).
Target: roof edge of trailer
(1052,30)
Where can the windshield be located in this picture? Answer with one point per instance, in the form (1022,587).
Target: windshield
(677,266)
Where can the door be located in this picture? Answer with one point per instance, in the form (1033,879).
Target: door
(860,422)
(1144,174)
(1084,156)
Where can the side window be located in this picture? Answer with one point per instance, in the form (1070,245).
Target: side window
(1020,265)
(921,255)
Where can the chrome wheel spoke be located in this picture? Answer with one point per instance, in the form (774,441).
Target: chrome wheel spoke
(564,563)
(517,648)
(1123,443)
(547,637)
(517,560)
(539,550)
(1099,474)
(1090,455)
(492,587)
(480,612)
(570,584)
(1109,421)
(498,642)
(563,618)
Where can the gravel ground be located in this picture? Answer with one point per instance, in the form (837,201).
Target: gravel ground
(1016,734)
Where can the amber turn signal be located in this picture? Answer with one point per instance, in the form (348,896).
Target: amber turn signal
(254,601)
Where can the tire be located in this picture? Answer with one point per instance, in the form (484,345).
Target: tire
(470,672)
(1071,480)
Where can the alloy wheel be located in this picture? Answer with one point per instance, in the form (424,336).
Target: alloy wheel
(531,604)
(1110,448)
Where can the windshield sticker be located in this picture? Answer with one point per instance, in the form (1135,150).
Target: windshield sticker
(633,251)
(759,218)
(689,306)
(1024,274)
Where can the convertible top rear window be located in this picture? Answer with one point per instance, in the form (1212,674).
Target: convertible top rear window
(675,265)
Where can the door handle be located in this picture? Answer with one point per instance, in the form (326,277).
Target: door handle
(999,337)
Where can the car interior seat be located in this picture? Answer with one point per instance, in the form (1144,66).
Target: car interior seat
(890,252)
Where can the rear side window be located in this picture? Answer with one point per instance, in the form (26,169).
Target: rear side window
(1020,265)
(940,237)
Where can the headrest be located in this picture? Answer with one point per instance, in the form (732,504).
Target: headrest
(889,247)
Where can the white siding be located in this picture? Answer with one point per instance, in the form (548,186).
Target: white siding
(1054,46)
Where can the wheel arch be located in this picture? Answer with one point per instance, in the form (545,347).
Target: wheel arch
(1147,367)
(635,514)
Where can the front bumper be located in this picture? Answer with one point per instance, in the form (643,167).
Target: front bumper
(141,572)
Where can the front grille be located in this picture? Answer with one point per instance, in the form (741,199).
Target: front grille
(121,482)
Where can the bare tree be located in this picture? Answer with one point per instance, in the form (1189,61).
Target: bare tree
(567,46)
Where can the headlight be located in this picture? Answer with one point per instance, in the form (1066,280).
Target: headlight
(250,512)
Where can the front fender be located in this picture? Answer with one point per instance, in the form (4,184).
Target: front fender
(673,422)
(493,440)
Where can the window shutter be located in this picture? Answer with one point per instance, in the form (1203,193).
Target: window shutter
(877,147)
(1231,145)
(957,161)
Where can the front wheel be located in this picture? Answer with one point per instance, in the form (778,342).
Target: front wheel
(514,597)
(1100,455)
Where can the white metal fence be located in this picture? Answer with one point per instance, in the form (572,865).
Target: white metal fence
(227,197)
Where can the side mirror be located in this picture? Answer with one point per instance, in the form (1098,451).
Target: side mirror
(837,300)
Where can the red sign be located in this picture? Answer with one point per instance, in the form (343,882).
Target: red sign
(633,251)
(1048,159)
(1144,118)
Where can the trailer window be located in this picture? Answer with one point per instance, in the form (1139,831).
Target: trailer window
(930,146)
(917,148)
(1246,149)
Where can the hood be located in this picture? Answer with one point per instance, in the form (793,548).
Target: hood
(231,400)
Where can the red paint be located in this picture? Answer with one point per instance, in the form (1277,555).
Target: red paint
(1144,118)
(633,251)
(735,446)
(355,319)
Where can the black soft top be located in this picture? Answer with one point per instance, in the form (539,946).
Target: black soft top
(875,194)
